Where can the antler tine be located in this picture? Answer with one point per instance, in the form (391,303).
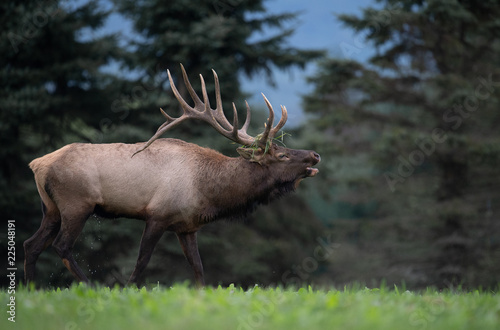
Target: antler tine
(171,122)
(192,93)
(240,135)
(270,121)
(206,101)
(219,112)
(247,120)
(166,116)
(281,123)
(235,121)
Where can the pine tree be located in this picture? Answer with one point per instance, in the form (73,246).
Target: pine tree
(416,139)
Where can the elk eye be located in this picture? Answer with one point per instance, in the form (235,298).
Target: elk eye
(282,156)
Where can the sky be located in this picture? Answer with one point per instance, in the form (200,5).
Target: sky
(316,28)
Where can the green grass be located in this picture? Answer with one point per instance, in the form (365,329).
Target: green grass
(181,307)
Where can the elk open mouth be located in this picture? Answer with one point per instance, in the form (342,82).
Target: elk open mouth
(312,171)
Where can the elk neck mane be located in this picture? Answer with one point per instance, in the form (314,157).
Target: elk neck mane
(231,188)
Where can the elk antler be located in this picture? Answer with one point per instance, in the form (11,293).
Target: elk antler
(215,117)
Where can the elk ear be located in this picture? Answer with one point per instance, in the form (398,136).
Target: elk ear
(251,154)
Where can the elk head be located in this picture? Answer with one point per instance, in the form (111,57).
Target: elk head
(291,165)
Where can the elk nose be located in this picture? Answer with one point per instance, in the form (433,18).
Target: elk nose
(316,157)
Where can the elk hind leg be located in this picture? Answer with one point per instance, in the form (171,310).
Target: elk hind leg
(71,227)
(37,243)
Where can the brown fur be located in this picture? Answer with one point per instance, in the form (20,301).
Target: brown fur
(172,185)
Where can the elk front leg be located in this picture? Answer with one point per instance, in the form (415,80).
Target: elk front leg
(150,237)
(189,246)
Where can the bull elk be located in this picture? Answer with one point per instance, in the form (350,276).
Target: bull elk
(172,185)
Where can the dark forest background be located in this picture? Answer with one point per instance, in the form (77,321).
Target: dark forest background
(408,189)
